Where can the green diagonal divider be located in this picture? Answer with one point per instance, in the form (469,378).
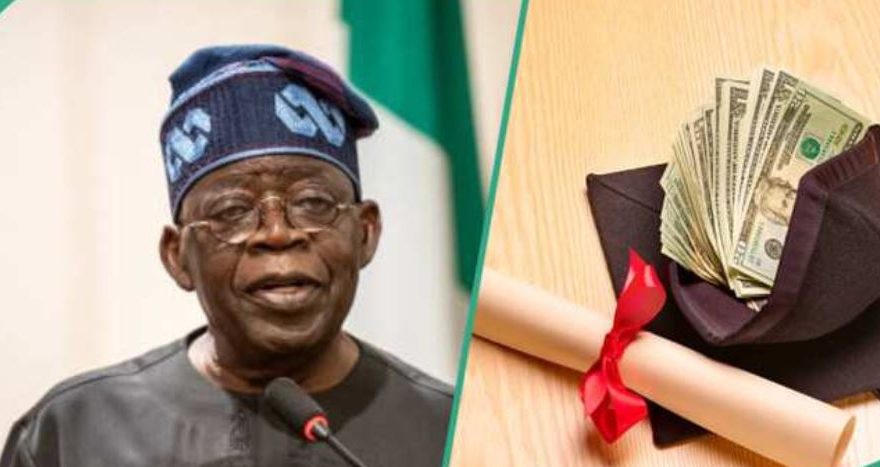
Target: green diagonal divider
(4,4)
(478,273)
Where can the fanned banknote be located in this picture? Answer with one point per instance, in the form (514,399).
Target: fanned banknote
(733,174)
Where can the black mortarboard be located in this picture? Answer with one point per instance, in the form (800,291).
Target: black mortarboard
(819,332)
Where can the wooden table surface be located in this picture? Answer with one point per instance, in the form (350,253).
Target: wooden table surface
(601,86)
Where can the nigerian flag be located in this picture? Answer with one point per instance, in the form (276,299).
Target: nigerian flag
(409,58)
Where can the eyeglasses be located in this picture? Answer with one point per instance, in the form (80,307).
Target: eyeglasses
(235,218)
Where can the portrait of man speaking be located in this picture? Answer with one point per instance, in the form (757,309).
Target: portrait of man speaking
(270,229)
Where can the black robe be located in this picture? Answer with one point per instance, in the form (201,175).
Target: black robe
(157,410)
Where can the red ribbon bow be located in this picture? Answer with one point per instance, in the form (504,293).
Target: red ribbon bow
(613,407)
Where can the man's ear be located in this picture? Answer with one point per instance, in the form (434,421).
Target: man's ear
(171,252)
(371,229)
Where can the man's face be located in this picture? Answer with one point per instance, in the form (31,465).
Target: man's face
(283,290)
(778,203)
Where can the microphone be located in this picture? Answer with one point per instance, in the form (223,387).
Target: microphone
(306,417)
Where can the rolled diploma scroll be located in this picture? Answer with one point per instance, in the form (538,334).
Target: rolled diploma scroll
(761,415)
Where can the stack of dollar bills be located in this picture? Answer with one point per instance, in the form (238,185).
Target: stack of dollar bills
(732,179)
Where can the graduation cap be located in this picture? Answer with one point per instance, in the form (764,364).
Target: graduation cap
(819,332)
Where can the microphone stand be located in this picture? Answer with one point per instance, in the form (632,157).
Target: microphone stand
(320,431)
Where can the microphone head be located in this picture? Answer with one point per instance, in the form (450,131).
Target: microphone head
(295,407)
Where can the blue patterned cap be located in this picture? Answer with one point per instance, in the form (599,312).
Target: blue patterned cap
(232,103)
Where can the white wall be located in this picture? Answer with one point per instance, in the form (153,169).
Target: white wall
(82,93)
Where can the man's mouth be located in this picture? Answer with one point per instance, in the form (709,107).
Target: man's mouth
(285,291)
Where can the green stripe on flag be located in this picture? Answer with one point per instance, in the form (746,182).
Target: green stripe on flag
(410,56)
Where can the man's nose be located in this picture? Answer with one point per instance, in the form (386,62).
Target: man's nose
(276,233)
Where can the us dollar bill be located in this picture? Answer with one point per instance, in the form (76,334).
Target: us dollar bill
(735,165)
(812,128)
(731,98)
(759,89)
(780,93)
